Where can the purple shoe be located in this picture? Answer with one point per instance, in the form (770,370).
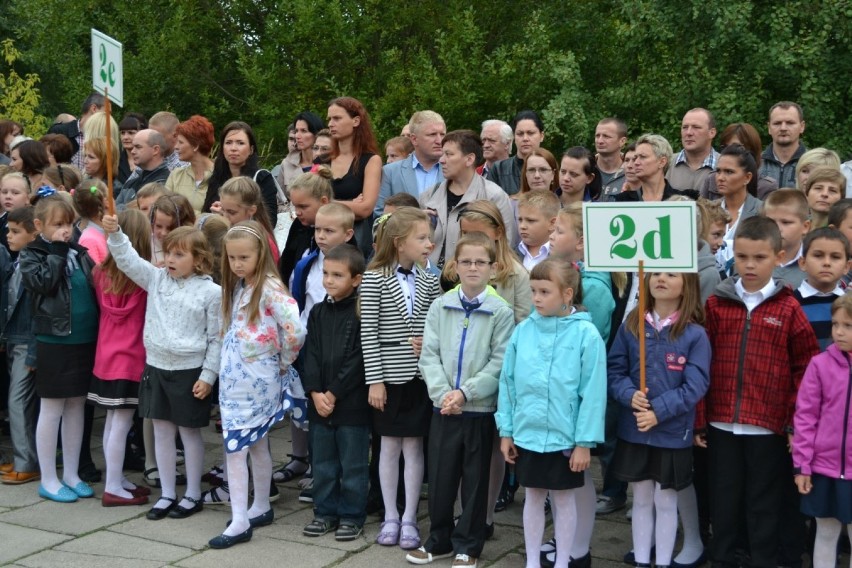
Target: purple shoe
(388,537)
(410,542)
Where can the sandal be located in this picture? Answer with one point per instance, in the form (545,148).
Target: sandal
(214,476)
(286,474)
(409,541)
(319,527)
(389,537)
(217,496)
(152,477)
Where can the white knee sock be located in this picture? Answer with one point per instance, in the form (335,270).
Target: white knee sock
(115,442)
(165,449)
(47,433)
(642,525)
(687,508)
(389,474)
(412,451)
(193,451)
(585,501)
(148,441)
(564,524)
(72,438)
(534,524)
(495,479)
(238,484)
(665,529)
(261,471)
(825,544)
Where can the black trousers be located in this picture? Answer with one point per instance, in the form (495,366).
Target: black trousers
(459,451)
(749,471)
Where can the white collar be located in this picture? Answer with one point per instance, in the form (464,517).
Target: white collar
(762,294)
(806,290)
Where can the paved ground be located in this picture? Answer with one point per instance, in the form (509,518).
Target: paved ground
(35,532)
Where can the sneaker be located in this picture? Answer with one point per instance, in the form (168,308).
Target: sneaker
(464,561)
(319,527)
(306,495)
(347,531)
(420,556)
(607,505)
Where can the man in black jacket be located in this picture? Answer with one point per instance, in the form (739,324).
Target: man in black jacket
(147,153)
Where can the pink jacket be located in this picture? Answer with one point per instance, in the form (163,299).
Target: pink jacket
(822,442)
(120,352)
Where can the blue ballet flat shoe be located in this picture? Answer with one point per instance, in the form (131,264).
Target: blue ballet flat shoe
(225,541)
(699,562)
(259,521)
(64,495)
(82,490)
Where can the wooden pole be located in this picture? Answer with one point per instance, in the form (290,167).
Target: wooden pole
(110,201)
(642,326)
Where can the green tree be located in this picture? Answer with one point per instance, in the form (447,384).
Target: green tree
(19,96)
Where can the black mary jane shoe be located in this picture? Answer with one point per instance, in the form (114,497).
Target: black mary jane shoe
(157,513)
(180,512)
(225,541)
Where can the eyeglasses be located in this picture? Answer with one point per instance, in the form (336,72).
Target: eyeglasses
(321,149)
(539,171)
(474,263)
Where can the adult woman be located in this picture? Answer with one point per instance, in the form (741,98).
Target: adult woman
(579,178)
(8,130)
(322,143)
(132,123)
(736,182)
(306,125)
(59,149)
(631,182)
(538,172)
(745,135)
(194,139)
(238,157)
(529,134)
(811,159)
(30,158)
(652,159)
(355,164)
(95,159)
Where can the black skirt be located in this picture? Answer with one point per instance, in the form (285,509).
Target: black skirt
(671,468)
(63,370)
(167,395)
(408,411)
(829,498)
(114,394)
(551,470)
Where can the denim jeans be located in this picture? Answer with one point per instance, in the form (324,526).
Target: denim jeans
(339,461)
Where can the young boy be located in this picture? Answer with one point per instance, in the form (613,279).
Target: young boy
(398,200)
(825,259)
(840,218)
(536,216)
(467,330)
(20,351)
(789,209)
(762,343)
(824,188)
(338,411)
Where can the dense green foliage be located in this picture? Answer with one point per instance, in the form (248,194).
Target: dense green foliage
(647,61)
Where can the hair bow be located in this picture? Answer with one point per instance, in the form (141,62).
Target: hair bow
(315,169)
(45,191)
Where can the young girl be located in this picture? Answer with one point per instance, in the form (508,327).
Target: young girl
(263,338)
(168,212)
(148,194)
(182,346)
(240,200)
(58,275)
(14,193)
(395,296)
(821,455)
(120,359)
(90,203)
(214,228)
(551,404)
(655,427)
(62,177)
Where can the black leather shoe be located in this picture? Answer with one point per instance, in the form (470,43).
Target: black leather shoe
(180,512)
(225,541)
(157,513)
(259,521)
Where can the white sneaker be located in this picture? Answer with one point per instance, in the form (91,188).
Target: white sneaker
(464,561)
(420,556)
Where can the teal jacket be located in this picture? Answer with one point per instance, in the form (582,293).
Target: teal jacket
(597,298)
(465,352)
(553,384)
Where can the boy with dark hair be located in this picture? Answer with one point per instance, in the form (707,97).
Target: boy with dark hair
(839,218)
(762,343)
(340,417)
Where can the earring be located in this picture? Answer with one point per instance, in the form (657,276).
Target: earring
(564,307)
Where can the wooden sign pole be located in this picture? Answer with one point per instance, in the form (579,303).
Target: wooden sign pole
(642,326)
(110,201)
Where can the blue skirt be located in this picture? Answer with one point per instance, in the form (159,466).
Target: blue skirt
(829,498)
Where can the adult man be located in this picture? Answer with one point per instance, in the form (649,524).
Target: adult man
(698,159)
(610,137)
(420,170)
(147,154)
(497,138)
(73,129)
(779,159)
(165,123)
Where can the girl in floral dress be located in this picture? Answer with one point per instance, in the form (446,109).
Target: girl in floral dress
(262,338)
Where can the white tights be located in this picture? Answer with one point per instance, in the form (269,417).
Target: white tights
(412,451)
(238,481)
(654,518)
(166,450)
(68,412)
(116,427)
(825,546)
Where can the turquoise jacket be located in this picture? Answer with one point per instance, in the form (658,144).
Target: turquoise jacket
(597,298)
(465,351)
(553,384)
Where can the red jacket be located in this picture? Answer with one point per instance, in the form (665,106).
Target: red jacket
(758,359)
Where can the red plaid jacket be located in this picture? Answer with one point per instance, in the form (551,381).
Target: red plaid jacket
(758,359)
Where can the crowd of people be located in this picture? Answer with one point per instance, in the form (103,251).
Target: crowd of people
(430,319)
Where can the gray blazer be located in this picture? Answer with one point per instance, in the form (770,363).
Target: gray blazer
(399,177)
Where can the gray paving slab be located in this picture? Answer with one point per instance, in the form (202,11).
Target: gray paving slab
(122,547)
(13,496)
(19,542)
(84,516)
(54,558)
(262,552)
